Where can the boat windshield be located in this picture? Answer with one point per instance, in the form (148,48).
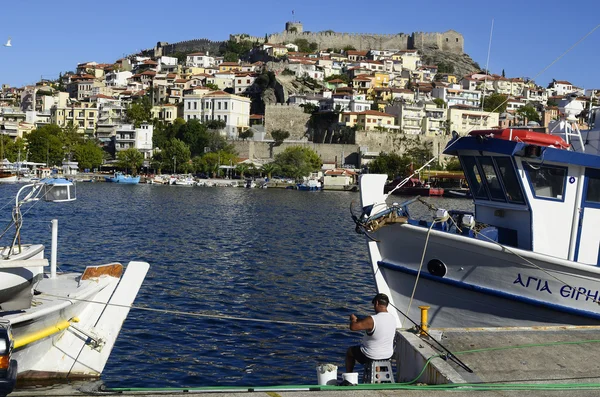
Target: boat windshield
(493,177)
(474,178)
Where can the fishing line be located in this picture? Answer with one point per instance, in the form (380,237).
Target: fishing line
(448,352)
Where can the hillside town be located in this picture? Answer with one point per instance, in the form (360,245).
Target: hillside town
(317,95)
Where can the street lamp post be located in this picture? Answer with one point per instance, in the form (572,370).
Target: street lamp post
(174,164)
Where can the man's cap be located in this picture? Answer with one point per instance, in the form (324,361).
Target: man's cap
(382,299)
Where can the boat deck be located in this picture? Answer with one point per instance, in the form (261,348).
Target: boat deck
(54,294)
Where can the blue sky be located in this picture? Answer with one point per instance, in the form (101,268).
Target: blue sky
(49,37)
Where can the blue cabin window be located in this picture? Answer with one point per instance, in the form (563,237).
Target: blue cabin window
(547,182)
(493,182)
(512,186)
(474,177)
(592,190)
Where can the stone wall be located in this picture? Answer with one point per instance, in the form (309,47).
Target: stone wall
(290,118)
(375,141)
(450,40)
(339,154)
(197,45)
(368,141)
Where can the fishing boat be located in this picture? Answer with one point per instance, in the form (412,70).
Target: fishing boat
(119,177)
(529,252)
(414,187)
(61,325)
(311,185)
(7,173)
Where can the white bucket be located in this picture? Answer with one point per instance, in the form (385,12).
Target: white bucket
(351,377)
(327,374)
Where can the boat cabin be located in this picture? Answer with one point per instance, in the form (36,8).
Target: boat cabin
(524,181)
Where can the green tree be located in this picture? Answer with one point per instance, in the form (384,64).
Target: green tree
(305,46)
(249,133)
(139,111)
(269,169)
(445,67)
(71,137)
(495,103)
(279,136)
(529,112)
(45,145)
(195,135)
(212,86)
(439,102)
(130,159)
(88,154)
(12,150)
(298,161)
(453,165)
(242,169)
(176,155)
(391,164)
(216,124)
(349,48)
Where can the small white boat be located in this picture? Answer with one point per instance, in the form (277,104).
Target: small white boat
(63,325)
(530,252)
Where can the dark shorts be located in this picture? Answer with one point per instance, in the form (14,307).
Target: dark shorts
(358,355)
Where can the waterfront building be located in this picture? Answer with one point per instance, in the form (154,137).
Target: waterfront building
(463,119)
(232,109)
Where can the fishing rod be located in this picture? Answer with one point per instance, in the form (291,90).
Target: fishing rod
(449,354)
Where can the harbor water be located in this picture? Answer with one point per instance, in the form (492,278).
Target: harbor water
(246,286)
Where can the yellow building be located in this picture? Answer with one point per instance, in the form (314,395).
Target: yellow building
(83,116)
(464,119)
(167,112)
(230,67)
(369,120)
(381,80)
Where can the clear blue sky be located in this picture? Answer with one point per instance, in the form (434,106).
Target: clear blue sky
(49,37)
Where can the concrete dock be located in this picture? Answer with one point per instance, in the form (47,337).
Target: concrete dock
(537,361)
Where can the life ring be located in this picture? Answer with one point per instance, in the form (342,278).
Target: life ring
(531,137)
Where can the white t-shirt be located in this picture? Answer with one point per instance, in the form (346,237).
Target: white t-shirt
(378,343)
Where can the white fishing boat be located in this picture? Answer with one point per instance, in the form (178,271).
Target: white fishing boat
(529,252)
(64,325)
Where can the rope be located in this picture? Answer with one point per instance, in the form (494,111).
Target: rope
(195,314)
(436,220)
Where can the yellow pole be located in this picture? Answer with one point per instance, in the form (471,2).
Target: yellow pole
(424,325)
(44,333)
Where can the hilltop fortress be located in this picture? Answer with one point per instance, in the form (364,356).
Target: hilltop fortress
(450,40)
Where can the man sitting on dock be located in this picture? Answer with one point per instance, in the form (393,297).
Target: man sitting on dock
(378,342)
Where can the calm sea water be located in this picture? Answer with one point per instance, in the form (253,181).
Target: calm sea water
(268,254)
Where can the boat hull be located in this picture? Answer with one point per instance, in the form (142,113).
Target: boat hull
(473,283)
(74,325)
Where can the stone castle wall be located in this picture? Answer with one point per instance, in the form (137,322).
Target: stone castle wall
(187,46)
(290,118)
(450,40)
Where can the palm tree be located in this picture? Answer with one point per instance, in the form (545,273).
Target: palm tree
(269,168)
(242,168)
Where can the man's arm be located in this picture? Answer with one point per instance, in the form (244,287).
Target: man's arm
(364,324)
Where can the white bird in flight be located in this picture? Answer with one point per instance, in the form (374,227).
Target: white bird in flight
(8,43)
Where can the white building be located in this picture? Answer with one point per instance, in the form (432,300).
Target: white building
(127,137)
(199,60)
(234,110)
(457,96)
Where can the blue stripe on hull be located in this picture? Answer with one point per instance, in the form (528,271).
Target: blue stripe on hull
(491,292)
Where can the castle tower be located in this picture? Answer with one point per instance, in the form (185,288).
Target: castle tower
(293,26)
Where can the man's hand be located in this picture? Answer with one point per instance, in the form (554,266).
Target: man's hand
(353,318)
